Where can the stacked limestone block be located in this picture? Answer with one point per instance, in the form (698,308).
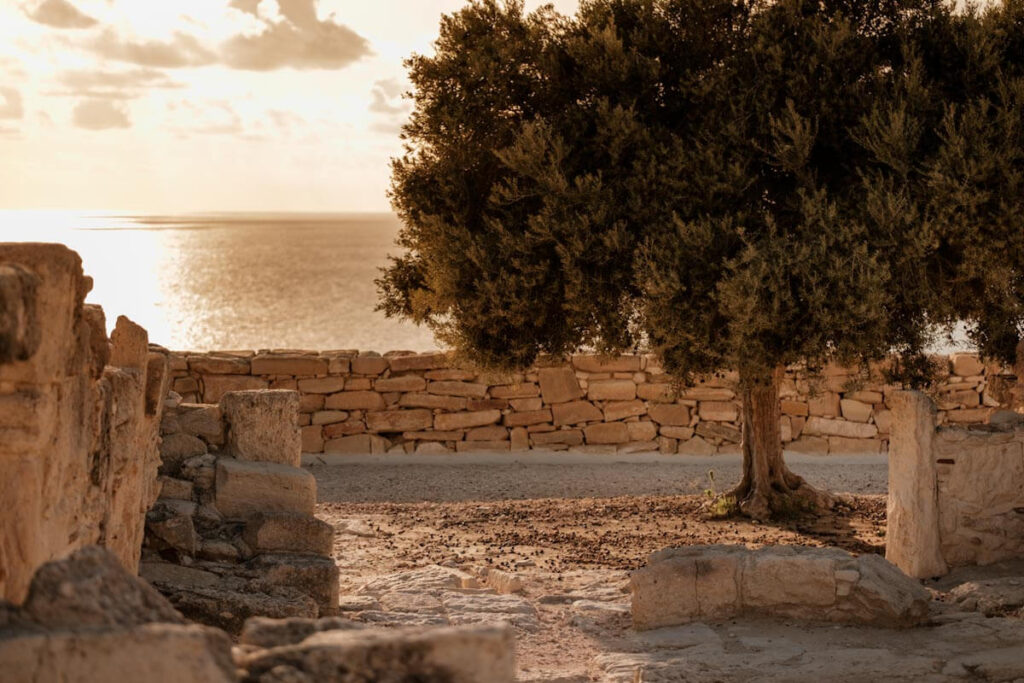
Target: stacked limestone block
(352,402)
(79,418)
(233,533)
(956,493)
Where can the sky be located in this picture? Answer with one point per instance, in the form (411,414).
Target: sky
(158,106)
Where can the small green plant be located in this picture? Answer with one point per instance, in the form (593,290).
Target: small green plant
(718,505)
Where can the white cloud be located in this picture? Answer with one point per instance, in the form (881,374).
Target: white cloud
(10,107)
(99,114)
(60,14)
(181,51)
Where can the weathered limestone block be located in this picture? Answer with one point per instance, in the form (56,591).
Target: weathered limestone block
(811,445)
(607,432)
(611,390)
(519,390)
(312,437)
(670,414)
(527,418)
(719,411)
(288,364)
(481,446)
(423,361)
(490,433)
(696,446)
(718,430)
(167,527)
(575,412)
(200,420)
(681,585)
(517,404)
(620,410)
(369,365)
(558,385)
(19,326)
(642,431)
(825,404)
(657,393)
(838,445)
(464,389)
(451,421)
(321,385)
(912,535)
(466,654)
(855,410)
(263,426)
(245,488)
(357,443)
(448,403)
(215,386)
(820,426)
(795,408)
(966,364)
(218,365)
(399,420)
(593,363)
(176,449)
(403,384)
(313,575)
(571,437)
(155,653)
(355,400)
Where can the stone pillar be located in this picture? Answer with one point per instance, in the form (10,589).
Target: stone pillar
(912,540)
(263,426)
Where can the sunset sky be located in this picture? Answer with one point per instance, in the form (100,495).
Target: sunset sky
(206,105)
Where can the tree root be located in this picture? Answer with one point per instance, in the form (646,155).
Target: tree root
(787,495)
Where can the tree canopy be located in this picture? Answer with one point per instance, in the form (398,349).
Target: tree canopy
(731,184)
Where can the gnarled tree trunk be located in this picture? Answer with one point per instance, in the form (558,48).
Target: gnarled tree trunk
(768,487)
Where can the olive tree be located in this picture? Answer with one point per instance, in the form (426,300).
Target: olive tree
(734,185)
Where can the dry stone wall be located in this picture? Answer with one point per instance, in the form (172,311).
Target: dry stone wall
(233,535)
(79,418)
(956,493)
(352,402)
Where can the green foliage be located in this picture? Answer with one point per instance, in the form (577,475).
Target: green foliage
(733,184)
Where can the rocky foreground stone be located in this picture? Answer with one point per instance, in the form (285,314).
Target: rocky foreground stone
(680,585)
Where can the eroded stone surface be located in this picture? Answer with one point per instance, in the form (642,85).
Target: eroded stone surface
(680,585)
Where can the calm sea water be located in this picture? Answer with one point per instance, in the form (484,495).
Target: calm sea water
(235,281)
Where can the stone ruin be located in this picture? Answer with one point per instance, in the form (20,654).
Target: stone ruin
(956,494)
(96,474)
(232,534)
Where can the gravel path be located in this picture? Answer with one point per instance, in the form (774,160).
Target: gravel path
(492,477)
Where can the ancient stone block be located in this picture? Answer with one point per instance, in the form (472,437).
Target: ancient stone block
(369,365)
(571,437)
(527,418)
(575,412)
(355,400)
(519,404)
(811,445)
(696,446)
(403,384)
(422,361)
(670,414)
(465,389)
(966,364)
(327,417)
(657,393)
(718,411)
(312,438)
(289,364)
(620,410)
(492,433)
(519,439)
(855,410)
(611,390)
(155,653)
(218,365)
(177,448)
(642,431)
(215,386)
(202,420)
(558,385)
(481,446)
(447,422)
(464,655)
(594,363)
(682,433)
(820,426)
(448,403)
(520,390)
(263,426)
(824,404)
(797,408)
(399,420)
(357,443)
(703,393)
(606,432)
(245,488)
(292,533)
(129,345)
(841,444)
(321,385)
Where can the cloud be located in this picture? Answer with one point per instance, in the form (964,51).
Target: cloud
(60,14)
(183,50)
(100,115)
(113,84)
(209,118)
(383,103)
(10,104)
(247,6)
(298,40)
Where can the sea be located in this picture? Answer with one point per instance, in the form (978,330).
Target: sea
(235,280)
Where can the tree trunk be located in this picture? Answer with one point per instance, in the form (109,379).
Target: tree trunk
(768,487)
